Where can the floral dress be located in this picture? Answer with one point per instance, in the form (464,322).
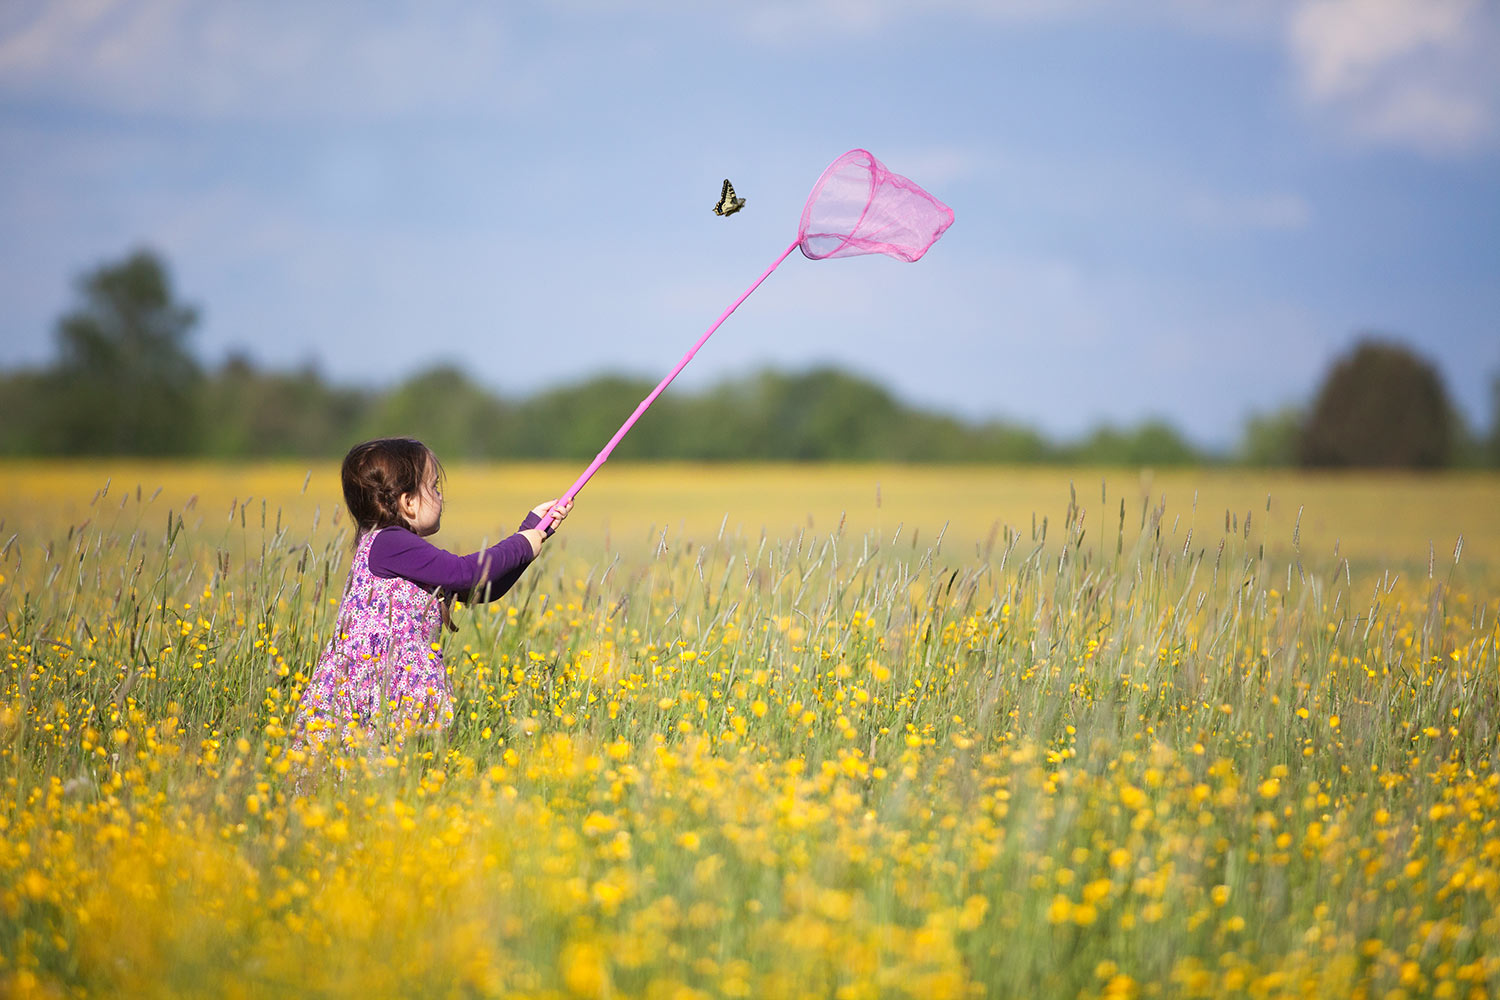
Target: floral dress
(382,673)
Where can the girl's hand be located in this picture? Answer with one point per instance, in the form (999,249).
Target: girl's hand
(536,536)
(558,512)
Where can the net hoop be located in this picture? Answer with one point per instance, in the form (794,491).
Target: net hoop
(897,217)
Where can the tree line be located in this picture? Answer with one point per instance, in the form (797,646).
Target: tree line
(127,382)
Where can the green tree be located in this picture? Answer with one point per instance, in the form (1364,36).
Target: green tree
(444,408)
(1492,443)
(1005,442)
(1271,440)
(575,421)
(23,412)
(125,382)
(1380,406)
(263,413)
(822,415)
(1154,442)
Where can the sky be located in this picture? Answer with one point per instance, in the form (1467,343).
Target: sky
(1174,209)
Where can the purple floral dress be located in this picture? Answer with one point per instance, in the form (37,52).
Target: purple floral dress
(382,672)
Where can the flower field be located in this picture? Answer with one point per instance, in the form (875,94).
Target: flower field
(778,732)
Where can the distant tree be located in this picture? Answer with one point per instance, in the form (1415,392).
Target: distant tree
(1272,440)
(125,381)
(23,412)
(1004,442)
(1492,443)
(825,414)
(443,407)
(1469,446)
(254,412)
(575,421)
(1380,406)
(1154,442)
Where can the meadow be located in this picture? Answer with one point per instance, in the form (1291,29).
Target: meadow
(767,732)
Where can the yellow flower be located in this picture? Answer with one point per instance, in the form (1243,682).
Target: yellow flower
(583,969)
(973,912)
(1060,910)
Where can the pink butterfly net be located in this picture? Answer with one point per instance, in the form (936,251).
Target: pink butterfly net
(856,207)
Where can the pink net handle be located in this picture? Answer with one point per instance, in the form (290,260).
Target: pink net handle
(859,207)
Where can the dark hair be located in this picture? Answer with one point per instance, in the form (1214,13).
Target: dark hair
(377,474)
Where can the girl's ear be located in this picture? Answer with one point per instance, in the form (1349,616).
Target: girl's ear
(407,507)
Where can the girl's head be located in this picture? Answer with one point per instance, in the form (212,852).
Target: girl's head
(393,482)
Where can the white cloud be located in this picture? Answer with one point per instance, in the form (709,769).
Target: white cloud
(281,58)
(1411,73)
(1345,45)
(1414,73)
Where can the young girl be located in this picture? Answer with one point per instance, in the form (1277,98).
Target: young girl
(382,669)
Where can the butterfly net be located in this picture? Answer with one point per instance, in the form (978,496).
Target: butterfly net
(859,207)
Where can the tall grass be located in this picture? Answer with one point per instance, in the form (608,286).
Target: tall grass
(1067,758)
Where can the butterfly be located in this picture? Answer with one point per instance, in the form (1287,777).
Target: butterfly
(728,204)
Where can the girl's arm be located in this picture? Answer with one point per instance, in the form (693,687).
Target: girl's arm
(502,583)
(474,578)
(479,576)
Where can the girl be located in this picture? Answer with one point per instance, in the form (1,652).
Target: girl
(382,668)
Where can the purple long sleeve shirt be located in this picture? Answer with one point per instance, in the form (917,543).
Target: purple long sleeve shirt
(474,578)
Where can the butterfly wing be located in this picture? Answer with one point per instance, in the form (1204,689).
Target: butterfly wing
(728,204)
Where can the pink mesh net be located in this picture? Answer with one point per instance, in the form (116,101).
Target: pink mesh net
(858,207)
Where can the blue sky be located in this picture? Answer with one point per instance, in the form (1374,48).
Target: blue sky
(1165,208)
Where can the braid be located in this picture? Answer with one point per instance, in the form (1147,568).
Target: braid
(377,474)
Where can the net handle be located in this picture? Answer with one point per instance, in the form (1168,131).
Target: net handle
(603,456)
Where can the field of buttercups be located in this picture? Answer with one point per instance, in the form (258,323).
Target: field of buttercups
(1167,751)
